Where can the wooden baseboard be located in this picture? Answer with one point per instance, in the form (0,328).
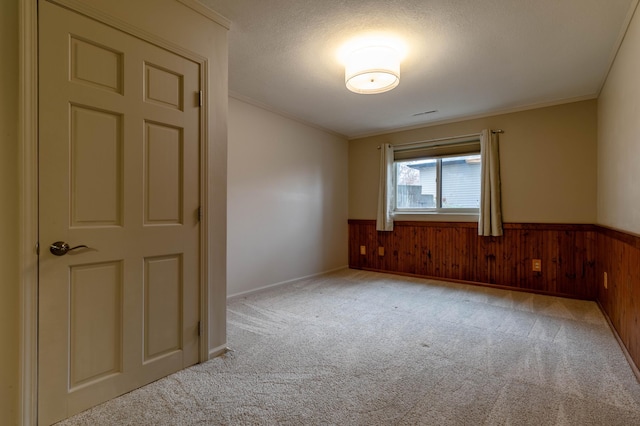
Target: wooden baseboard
(476,283)
(625,351)
(217,351)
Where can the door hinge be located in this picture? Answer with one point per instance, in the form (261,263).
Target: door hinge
(199,328)
(199,213)
(200,98)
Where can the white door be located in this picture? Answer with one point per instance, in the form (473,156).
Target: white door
(119,173)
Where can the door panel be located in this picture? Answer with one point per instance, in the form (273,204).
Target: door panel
(163,306)
(163,87)
(96,167)
(119,172)
(95,320)
(163,177)
(96,65)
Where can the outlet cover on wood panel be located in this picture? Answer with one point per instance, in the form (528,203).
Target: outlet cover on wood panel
(363,250)
(380,251)
(536,265)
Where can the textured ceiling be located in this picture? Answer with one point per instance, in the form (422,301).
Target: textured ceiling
(466,57)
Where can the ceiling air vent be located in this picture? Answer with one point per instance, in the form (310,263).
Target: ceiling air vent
(417,114)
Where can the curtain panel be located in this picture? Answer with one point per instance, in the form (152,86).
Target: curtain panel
(490,212)
(384,220)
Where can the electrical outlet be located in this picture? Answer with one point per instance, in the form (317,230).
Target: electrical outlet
(363,250)
(536,265)
(380,251)
(605,281)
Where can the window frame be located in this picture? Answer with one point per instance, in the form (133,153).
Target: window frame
(438,210)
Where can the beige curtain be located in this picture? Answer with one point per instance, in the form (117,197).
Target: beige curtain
(490,217)
(384,221)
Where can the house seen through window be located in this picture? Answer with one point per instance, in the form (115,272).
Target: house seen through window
(442,183)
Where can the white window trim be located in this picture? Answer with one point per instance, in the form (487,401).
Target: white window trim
(421,216)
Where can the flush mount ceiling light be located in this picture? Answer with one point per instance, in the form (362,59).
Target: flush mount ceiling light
(372,65)
(374,69)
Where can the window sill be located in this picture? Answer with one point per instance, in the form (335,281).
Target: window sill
(435,217)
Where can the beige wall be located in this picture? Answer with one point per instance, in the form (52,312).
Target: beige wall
(548,163)
(9,298)
(287,205)
(619,138)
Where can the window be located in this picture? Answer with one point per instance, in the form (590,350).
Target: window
(440,179)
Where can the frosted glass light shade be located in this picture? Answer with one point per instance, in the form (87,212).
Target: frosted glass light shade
(374,69)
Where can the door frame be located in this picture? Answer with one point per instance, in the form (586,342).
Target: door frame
(28,163)
(210,280)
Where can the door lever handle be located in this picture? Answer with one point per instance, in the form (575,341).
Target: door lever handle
(60,248)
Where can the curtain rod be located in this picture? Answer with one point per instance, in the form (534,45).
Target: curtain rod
(446,139)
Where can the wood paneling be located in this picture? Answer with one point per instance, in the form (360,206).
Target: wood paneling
(454,251)
(619,257)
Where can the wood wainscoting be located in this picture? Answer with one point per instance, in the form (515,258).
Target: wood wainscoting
(619,256)
(454,251)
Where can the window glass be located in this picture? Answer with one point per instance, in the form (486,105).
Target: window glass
(461,182)
(438,184)
(416,184)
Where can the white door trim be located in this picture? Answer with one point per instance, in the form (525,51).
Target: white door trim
(28,187)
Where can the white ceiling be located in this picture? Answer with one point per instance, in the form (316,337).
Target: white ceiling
(466,57)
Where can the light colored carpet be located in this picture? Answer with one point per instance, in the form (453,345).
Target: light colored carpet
(360,348)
